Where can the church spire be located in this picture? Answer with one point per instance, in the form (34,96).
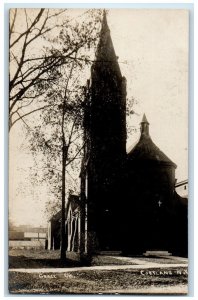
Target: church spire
(105,26)
(144,128)
(105,53)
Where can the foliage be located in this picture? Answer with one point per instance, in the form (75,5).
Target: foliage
(50,52)
(41,42)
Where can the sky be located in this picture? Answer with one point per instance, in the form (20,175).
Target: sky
(152,46)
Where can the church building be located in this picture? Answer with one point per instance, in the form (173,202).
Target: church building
(128,203)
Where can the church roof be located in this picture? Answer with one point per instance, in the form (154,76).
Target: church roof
(144,119)
(146,150)
(56,217)
(74,201)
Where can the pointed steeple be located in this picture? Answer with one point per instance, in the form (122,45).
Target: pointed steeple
(145,150)
(144,128)
(107,94)
(105,27)
(105,53)
(144,119)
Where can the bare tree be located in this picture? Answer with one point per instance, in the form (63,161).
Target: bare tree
(41,41)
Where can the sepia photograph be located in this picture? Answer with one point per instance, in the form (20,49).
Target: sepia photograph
(98,151)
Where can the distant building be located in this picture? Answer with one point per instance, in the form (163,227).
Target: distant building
(25,232)
(53,231)
(182,188)
(27,237)
(72,226)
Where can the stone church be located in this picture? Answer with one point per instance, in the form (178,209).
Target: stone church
(128,203)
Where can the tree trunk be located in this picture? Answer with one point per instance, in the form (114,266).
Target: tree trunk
(63,237)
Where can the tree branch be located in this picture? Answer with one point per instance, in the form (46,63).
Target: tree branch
(13,22)
(21,118)
(31,112)
(36,20)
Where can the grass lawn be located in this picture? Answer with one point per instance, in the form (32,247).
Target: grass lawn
(95,281)
(127,281)
(50,259)
(36,259)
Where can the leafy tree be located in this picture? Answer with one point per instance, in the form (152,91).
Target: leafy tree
(56,139)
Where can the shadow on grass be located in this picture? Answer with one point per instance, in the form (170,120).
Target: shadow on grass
(17,262)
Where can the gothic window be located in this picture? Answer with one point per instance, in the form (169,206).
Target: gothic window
(69,223)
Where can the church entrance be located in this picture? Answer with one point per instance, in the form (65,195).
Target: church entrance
(109,233)
(158,230)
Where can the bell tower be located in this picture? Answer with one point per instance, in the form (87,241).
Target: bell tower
(106,142)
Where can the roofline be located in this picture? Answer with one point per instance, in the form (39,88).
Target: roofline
(152,161)
(181,183)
